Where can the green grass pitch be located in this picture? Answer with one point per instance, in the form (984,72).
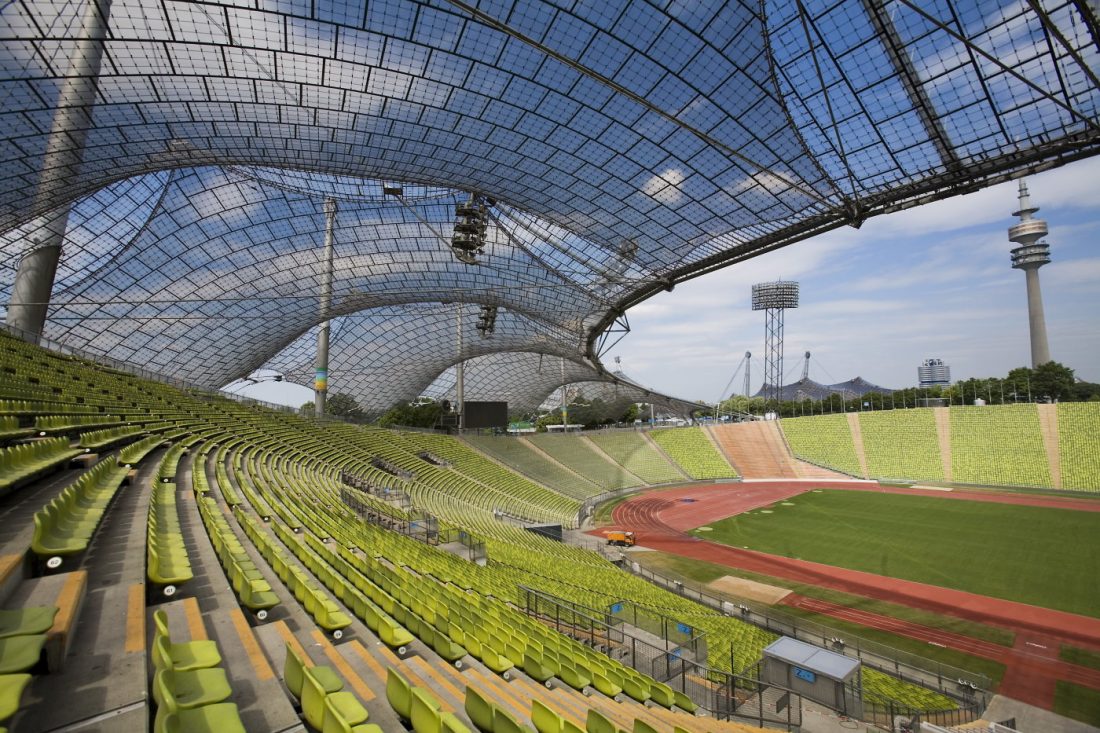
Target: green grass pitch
(1045,557)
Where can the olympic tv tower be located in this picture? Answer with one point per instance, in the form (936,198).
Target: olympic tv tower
(1029,257)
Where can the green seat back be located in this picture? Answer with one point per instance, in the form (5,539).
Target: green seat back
(545,719)
(399,694)
(479,710)
(597,723)
(425,714)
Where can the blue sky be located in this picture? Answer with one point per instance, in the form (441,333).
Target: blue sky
(934,281)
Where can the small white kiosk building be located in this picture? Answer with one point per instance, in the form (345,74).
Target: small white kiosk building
(815,673)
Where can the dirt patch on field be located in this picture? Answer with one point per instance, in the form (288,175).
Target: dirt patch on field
(749,589)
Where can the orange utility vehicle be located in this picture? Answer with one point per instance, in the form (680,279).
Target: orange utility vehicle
(622,539)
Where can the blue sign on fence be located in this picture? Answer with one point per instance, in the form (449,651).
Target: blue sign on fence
(617,608)
(684,629)
(805,674)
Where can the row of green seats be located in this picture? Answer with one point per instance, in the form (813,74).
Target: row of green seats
(1079,445)
(169,464)
(253,591)
(1000,445)
(108,437)
(580,455)
(167,562)
(301,584)
(326,706)
(132,454)
(514,492)
(634,453)
(367,601)
(823,439)
(519,455)
(20,464)
(902,444)
(10,430)
(47,424)
(68,522)
(693,451)
(190,689)
(419,708)
(221,476)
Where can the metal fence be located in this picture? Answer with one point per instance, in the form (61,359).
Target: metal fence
(724,695)
(963,685)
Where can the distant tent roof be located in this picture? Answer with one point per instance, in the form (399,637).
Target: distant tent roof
(859,386)
(808,389)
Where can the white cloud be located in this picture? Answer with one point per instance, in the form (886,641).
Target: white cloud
(931,281)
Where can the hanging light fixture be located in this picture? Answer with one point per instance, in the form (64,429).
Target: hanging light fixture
(471,224)
(487,320)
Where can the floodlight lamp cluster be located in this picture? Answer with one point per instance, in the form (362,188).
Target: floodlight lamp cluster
(487,321)
(780,294)
(471,224)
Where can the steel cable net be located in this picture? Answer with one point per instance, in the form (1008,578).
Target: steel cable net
(625,148)
(399,354)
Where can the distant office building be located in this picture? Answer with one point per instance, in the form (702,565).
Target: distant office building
(934,373)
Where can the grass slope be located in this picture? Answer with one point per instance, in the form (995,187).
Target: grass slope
(1046,557)
(704,572)
(1077,702)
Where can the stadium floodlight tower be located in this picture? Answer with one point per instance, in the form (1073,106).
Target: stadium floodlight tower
(1029,257)
(774,298)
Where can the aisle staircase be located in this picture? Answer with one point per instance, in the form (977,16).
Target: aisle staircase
(756,449)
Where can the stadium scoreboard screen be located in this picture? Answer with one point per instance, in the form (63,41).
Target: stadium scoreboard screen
(485,415)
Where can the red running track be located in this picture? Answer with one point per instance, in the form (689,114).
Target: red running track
(660,519)
(1032,665)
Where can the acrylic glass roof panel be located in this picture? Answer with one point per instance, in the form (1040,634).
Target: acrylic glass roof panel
(385,355)
(522,379)
(530,382)
(229,265)
(626,147)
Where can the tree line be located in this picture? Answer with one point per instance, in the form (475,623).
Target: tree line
(1050,382)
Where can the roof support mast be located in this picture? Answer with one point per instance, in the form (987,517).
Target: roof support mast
(30,293)
(320,381)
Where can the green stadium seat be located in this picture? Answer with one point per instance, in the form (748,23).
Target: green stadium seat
(479,710)
(337,722)
(451,724)
(535,669)
(294,669)
(605,685)
(662,694)
(26,621)
(505,723)
(183,656)
(597,723)
(399,694)
(174,691)
(425,714)
(223,717)
(346,705)
(640,726)
(11,691)
(684,702)
(20,653)
(545,719)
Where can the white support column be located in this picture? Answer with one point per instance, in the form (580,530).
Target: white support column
(320,380)
(460,373)
(30,294)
